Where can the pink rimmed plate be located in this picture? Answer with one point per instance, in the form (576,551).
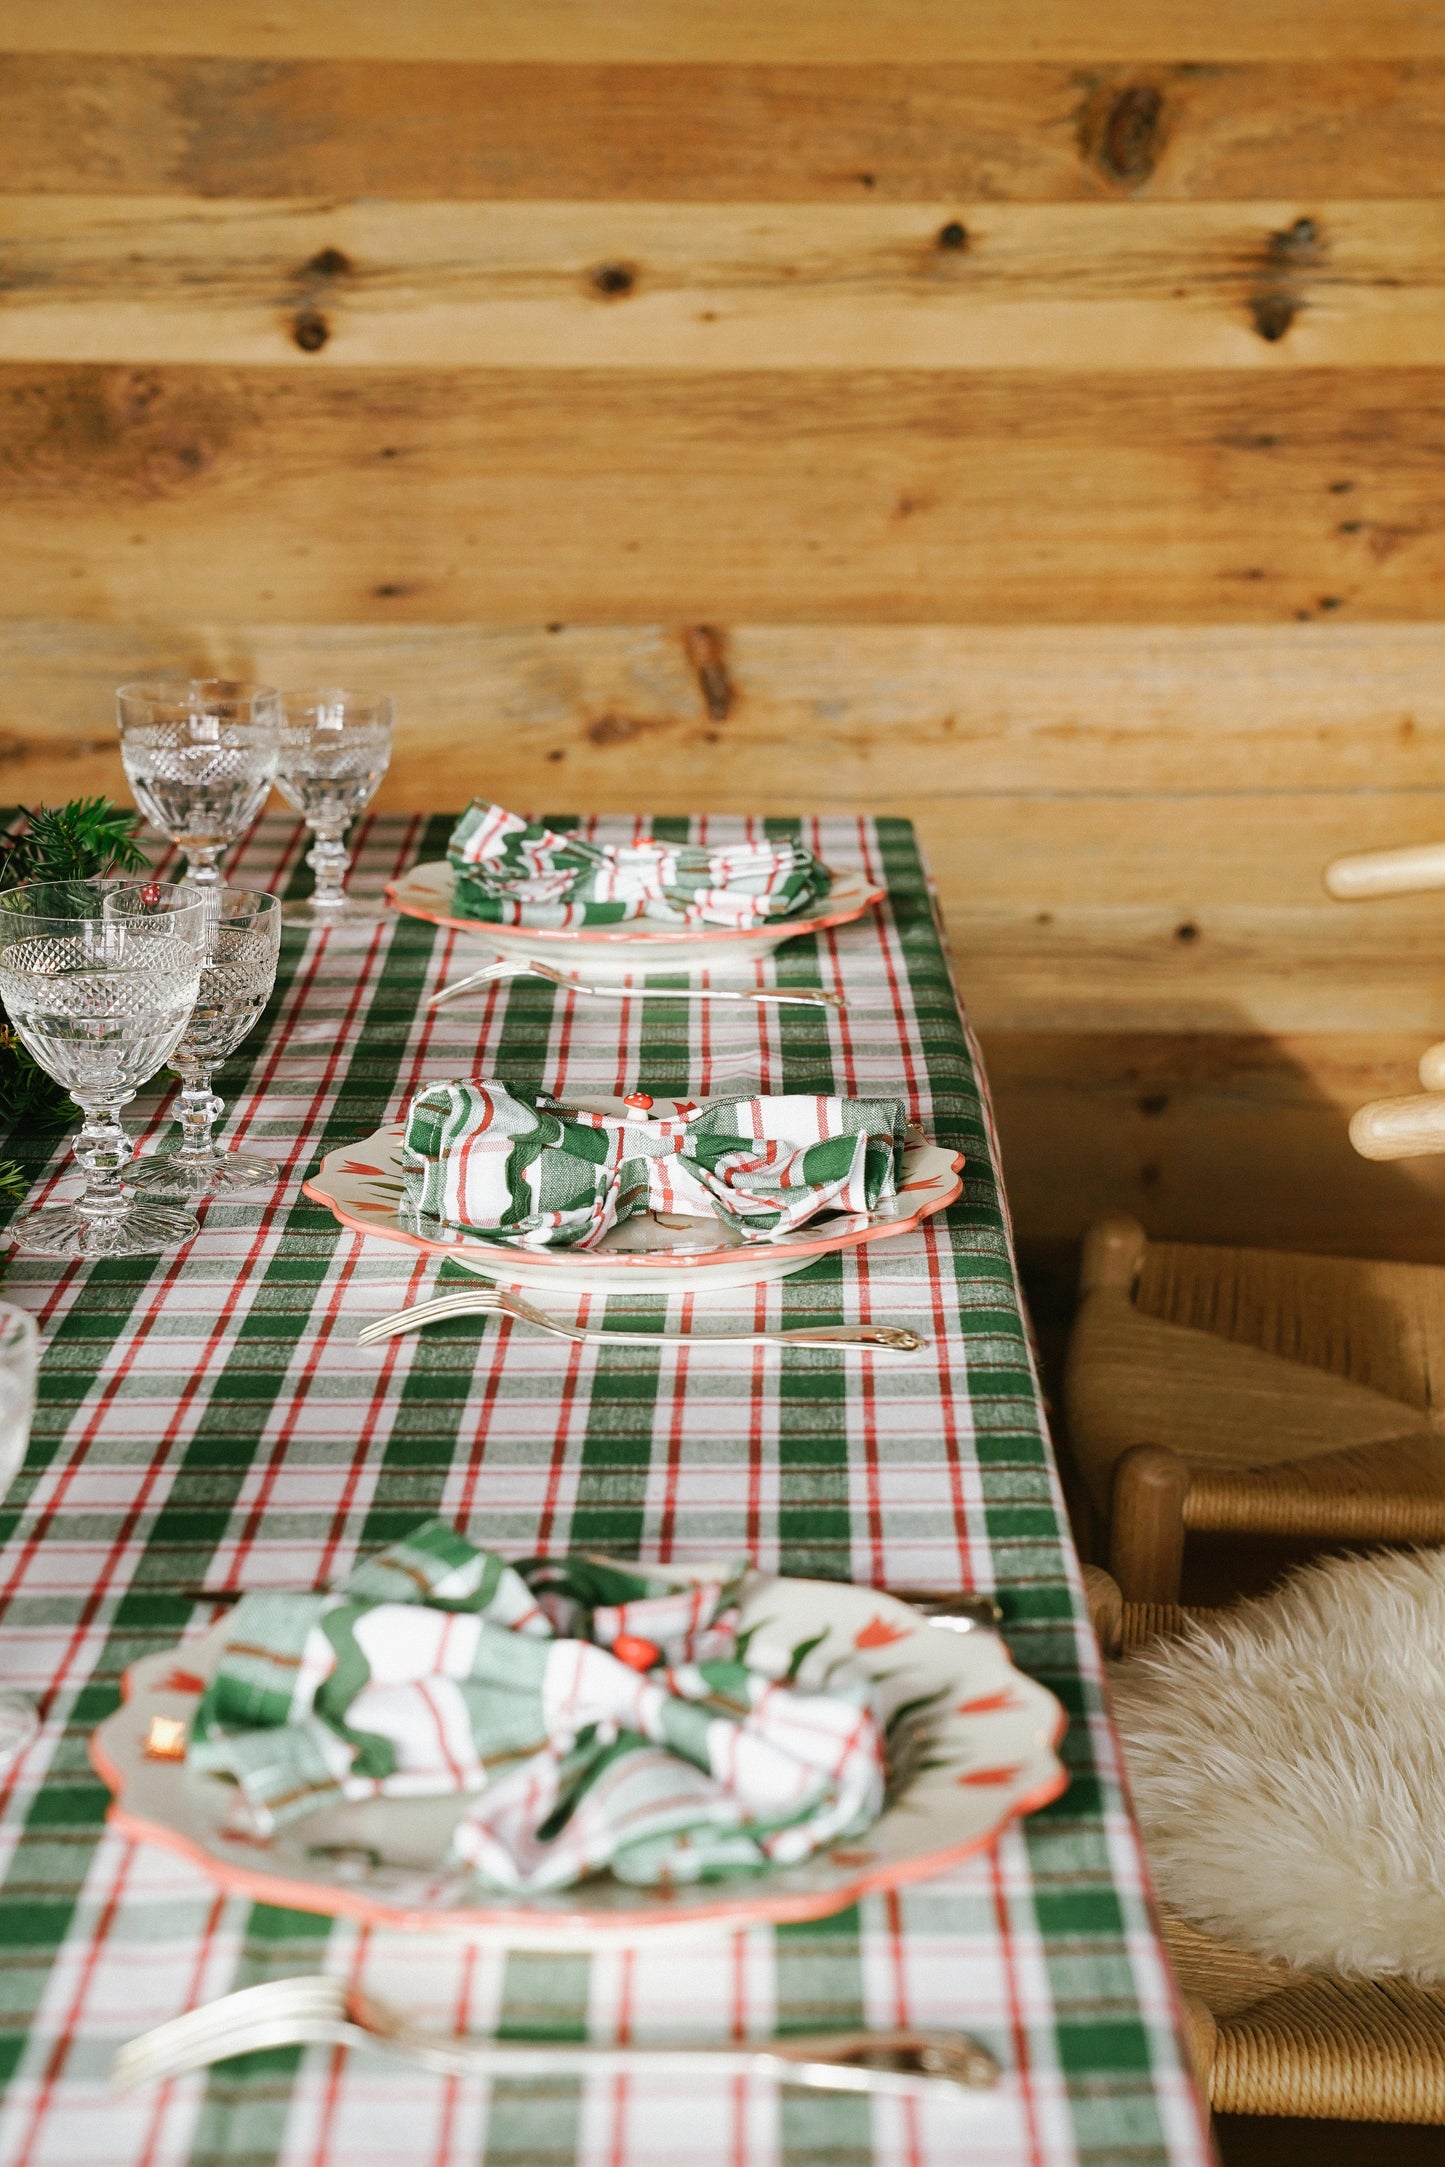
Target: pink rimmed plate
(652,1253)
(971,1746)
(638,946)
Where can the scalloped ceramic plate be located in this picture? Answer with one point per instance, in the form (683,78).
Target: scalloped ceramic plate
(618,951)
(972,1748)
(648,1254)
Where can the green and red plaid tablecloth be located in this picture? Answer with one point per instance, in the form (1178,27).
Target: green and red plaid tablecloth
(208,1420)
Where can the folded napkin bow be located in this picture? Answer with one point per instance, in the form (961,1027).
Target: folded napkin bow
(512,871)
(442,1669)
(545,1175)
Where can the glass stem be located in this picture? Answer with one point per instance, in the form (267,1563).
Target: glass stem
(203,866)
(328,860)
(104,1151)
(198,1110)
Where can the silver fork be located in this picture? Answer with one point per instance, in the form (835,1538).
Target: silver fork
(801,996)
(293,2012)
(488,1301)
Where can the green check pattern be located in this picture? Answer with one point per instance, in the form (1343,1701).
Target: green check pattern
(208,1421)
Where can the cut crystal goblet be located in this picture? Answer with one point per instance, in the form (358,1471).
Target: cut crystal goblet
(242,942)
(335,748)
(200,755)
(99,978)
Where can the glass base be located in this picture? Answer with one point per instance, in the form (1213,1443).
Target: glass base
(167,1174)
(335,917)
(141,1230)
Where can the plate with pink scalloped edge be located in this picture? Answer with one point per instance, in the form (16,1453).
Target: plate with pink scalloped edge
(650,1253)
(972,1746)
(638,944)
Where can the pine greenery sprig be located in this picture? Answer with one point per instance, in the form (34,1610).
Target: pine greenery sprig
(78,841)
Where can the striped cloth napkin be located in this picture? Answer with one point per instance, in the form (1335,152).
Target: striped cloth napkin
(512,871)
(533,1171)
(605,1716)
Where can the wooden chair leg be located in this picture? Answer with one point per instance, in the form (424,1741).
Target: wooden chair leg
(1146,1524)
(1113,1255)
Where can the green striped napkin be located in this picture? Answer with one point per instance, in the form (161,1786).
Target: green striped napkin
(601,1716)
(476,1154)
(512,871)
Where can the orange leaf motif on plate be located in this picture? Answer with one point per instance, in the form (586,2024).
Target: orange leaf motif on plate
(990,1775)
(878,1633)
(987,1704)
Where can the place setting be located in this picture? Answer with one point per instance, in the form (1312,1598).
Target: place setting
(574,1754)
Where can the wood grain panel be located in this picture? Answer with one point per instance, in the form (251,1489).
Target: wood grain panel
(551,285)
(513,495)
(858,30)
(792,714)
(1039,132)
(1199,914)
(1227,1138)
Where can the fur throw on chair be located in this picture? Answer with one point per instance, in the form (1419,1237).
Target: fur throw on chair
(1288,1767)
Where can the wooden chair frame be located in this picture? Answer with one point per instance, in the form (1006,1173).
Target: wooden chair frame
(1313,1413)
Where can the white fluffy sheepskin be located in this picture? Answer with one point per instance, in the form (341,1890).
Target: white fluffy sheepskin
(1288,1765)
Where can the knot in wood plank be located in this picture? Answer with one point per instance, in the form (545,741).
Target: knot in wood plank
(1273,314)
(613,281)
(1122,132)
(310,330)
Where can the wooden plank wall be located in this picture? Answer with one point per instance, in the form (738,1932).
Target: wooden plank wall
(1030,418)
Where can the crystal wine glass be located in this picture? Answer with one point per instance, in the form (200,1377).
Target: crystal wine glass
(200,755)
(335,748)
(99,978)
(242,943)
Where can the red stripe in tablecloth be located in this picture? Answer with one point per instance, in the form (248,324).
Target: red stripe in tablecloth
(476,1451)
(908,2107)
(460,1776)
(940,1260)
(568,1398)
(617,2150)
(677,1393)
(755,1427)
(324,1311)
(943,1299)
(336,2058)
(255,1096)
(166,2092)
(1017,2027)
(452,2086)
(887,938)
(622,1079)
(360,1459)
(420,1057)
(864,1377)
(55,2060)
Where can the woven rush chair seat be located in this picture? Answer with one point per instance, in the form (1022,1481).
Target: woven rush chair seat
(1272,2038)
(1256,1392)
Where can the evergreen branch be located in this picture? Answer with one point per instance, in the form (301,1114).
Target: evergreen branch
(81,840)
(78,841)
